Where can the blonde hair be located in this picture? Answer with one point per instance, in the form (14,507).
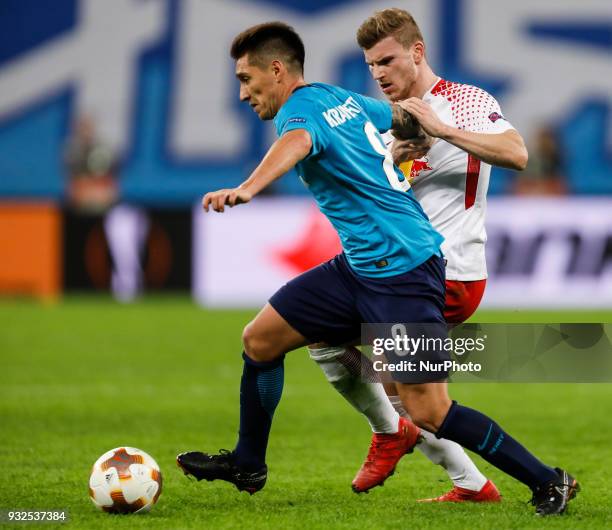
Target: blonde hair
(392,22)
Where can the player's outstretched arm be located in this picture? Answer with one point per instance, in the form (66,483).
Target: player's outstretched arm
(506,149)
(283,155)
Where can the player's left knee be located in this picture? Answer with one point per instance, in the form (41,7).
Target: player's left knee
(257,345)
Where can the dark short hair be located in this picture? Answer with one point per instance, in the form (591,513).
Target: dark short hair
(392,22)
(269,41)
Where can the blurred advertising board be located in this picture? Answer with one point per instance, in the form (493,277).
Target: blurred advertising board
(30,239)
(127,250)
(549,253)
(541,253)
(241,257)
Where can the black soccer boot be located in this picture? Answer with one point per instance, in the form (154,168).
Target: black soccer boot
(222,467)
(551,498)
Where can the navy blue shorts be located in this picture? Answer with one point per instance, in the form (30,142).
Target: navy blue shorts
(330,302)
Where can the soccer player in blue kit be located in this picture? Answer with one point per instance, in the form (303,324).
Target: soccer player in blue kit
(391,268)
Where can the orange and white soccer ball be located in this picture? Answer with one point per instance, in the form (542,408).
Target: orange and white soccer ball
(125,480)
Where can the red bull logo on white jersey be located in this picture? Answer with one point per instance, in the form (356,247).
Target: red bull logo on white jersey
(412,168)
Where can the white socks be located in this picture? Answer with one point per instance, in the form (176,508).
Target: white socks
(450,455)
(342,367)
(347,369)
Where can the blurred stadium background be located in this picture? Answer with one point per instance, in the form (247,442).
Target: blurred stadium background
(116,116)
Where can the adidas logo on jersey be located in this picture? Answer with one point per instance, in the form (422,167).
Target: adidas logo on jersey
(341,113)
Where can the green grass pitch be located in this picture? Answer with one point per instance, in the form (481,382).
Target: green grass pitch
(86,375)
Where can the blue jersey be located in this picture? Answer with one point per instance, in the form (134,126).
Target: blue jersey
(383,229)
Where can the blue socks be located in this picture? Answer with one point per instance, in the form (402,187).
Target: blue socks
(479,433)
(261,388)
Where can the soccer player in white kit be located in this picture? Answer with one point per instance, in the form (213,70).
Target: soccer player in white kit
(449,170)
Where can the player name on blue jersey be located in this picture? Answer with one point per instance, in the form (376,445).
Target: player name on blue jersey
(340,113)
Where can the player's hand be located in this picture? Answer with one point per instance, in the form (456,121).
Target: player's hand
(405,150)
(426,116)
(218,199)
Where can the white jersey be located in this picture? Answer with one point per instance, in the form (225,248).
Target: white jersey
(450,184)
